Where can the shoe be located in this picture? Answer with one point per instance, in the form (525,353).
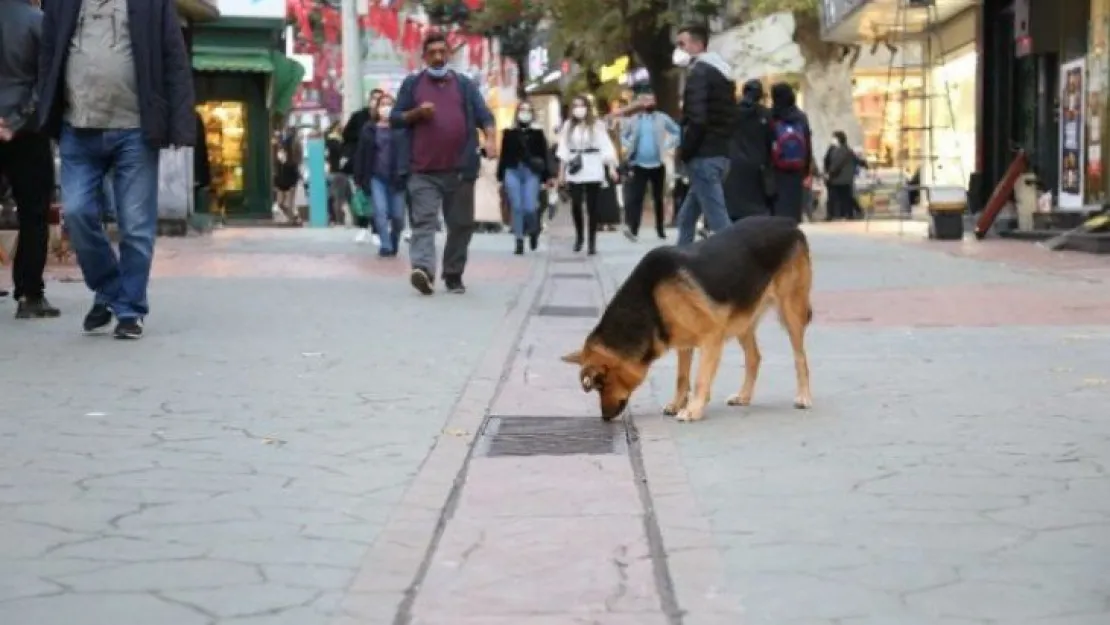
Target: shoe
(662,235)
(577,246)
(533,241)
(628,234)
(375,239)
(362,236)
(592,251)
(421,281)
(386,253)
(455,284)
(98,317)
(129,329)
(520,247)
(36,308)
(407,236)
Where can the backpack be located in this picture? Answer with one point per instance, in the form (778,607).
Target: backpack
(789,150)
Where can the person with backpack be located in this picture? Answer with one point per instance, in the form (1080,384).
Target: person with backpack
(791,152)
(749,189)
(708,109)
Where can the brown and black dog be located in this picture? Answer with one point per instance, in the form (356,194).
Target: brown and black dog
(699,297)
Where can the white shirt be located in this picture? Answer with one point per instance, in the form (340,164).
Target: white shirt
(596,149)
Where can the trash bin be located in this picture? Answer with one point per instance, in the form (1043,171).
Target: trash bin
(947,222)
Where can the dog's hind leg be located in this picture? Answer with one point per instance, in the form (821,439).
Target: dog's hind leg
(752,358)
(707,371)
(682,383)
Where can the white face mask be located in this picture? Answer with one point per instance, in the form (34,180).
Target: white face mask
(384,111)
(681,58)
(525,118)
(579,112)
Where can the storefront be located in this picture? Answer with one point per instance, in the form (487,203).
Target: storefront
(243,85)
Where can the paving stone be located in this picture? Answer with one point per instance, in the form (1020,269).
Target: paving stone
(245,601)
(99,609)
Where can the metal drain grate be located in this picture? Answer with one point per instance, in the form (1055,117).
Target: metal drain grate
(551,436)
(568,311)
(573,276)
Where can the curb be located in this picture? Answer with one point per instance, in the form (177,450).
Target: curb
(389,575)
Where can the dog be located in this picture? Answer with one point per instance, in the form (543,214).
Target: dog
(699,297)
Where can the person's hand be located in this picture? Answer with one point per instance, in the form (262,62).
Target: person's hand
(6,133)
(491,147)
(426,110)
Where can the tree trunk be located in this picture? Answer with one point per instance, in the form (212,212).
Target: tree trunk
(827,101)
(653,47)
(522,76)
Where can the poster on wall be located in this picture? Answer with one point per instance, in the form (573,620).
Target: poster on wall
(1072,97)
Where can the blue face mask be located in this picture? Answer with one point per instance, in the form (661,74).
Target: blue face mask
(437,72)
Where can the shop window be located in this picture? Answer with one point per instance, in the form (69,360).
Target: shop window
(225,134)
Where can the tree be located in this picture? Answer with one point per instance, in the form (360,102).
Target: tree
(826,71)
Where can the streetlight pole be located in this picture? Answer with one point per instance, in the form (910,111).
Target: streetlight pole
(353,99)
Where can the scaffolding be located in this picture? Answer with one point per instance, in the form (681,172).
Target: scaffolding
(918,105)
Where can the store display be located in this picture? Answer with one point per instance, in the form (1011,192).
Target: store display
(225,134)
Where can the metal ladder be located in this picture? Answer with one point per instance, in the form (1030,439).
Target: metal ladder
(916,143)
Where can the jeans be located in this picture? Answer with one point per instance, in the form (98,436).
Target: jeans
(523,186)
(87,157)
(637,189)
(389,213)
(430,193)
(28,163)
(706,195)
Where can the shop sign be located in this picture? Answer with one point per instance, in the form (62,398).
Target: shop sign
(614,70)
(1072,96)
(270,9)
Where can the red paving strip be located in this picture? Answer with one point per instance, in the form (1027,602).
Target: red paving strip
(971,305)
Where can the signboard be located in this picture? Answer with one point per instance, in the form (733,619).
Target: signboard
(269,9)
(1072,96)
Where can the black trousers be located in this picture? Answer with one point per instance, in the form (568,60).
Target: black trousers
(841,203)
(27,161)
(584,193)
(637,189)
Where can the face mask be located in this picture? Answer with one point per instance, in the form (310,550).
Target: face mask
(681,58)
(438,72)
(525,118)
(384,111)
(579,112)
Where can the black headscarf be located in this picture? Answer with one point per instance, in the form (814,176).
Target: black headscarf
(752,93)
(784,102)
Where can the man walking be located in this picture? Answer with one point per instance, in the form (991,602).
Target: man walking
(116,87)
(646,136)
(26,158)
(442,111)
(708,108)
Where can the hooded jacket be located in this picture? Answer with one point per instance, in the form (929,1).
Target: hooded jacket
(708,108)
(784,107)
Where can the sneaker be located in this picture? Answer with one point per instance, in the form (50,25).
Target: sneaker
(407,236)
(519,247)
(455,284)
(628,234)
(421,281)
(98,317)
(36,308)
(375,239)
(362,236)
(129,329)
(533,241)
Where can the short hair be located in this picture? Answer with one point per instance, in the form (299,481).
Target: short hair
(377,92)
(697,32)
(433,38)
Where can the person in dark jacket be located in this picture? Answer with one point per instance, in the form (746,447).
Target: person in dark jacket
(287,175)
(378,173)
(202,171)
(841,163)
(26,158)
(114,92)
(791,152)
(749,188)
(708,109)
(522,169)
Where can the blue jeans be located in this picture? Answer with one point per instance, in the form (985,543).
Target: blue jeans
(523,187)
(706,196)
(389,213)
(87,158)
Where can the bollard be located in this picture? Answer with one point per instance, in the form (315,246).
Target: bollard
(317,184)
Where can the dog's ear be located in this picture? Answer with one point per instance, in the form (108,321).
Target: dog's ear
(574,358)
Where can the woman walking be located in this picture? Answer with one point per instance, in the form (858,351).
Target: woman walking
(587,158)
(377,174)
(522,169)
(367,230)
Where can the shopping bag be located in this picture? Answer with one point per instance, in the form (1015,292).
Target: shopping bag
(361,205)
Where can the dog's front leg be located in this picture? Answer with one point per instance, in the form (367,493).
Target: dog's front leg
(707,371)
(682,383)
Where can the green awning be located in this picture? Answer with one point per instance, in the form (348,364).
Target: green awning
(245,61)
(287,77)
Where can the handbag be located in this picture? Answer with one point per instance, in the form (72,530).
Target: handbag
(506,208)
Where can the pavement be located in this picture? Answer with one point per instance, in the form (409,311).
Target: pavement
(302,440)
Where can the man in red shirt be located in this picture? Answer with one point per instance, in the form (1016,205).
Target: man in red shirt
(442,110)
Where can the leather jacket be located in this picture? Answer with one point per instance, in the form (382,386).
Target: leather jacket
(20,33)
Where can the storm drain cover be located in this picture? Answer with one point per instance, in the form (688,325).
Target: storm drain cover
(573,276)
(568,311)
(552,436)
